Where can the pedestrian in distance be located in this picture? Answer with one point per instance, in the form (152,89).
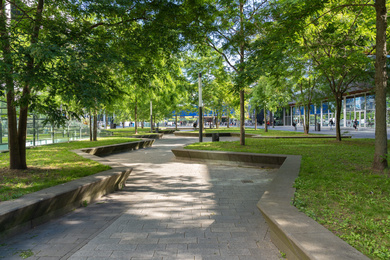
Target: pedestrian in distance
(294,125)
(331,123)
(355,124)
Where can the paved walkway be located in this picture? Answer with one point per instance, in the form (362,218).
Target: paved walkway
(169,210)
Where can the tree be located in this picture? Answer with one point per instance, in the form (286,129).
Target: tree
(233,29)
(380,155)
(43,39)
(339,35)
(217,83)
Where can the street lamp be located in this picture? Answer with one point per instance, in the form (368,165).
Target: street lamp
(200,109)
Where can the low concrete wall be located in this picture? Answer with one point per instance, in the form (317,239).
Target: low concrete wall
(150,136)
(166,132)
(118,148)
(294,233)
(38,207)
(266,160)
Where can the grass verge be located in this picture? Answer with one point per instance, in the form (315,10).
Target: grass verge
(123,132)
(336,187)
(50,165)
(252,131)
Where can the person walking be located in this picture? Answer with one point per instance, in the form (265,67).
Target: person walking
(355,124)
(331,123)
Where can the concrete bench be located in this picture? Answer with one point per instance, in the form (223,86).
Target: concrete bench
(118,148)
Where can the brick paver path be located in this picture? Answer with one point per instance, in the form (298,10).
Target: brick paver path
(169,209)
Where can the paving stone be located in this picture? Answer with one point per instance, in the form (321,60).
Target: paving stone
(169,209)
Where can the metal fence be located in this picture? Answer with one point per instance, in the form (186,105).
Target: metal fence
(40,134)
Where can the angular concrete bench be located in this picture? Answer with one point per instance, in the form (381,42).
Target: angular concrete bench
(294,233)
(118,148)
(150,136)
(36,208)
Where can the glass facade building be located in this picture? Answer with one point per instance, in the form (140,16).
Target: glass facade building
(359,106)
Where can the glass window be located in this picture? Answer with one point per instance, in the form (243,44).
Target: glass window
(360,103)
(370,102)
(350,104)
(325,108)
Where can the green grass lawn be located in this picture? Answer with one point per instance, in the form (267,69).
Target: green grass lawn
(252,131)
(130,131)
(336,187)
(50,165)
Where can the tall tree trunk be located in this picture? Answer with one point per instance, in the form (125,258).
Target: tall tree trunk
(339,99)
(255,120)
(95,126)
(13,141)
(176,122)
(135,118)
(380,155)
(90,127)
(307,119)
(17,145)
(105,125)
(242,60)
(228,117)
(242,117)
(265,120)
(217,121)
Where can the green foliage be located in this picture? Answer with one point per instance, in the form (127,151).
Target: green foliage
(336,187)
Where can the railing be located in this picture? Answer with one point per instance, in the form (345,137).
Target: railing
(40,134)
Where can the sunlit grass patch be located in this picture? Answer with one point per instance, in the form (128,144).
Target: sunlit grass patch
(336,187)
(50,165)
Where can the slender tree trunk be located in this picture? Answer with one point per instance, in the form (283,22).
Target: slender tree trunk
(105,126)
(242,117)
(176,122)
(17,135)
(228,118)
(90,127)
(380,155)
(265,120)
(142,124)
(95,126)
(339,99)
(255,120)
(135,118)
(217,122)
(242,92)
(13,141)
(307,119)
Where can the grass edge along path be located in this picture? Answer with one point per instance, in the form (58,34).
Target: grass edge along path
(260,132)
(335,187)
(50,165)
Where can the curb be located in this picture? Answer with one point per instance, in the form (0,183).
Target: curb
(294,233)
